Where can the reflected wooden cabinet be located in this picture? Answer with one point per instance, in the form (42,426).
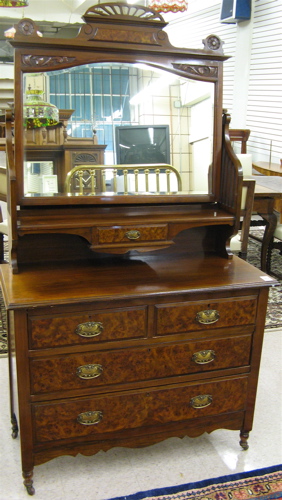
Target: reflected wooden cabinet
(65,157)
(164,337)
(53,146)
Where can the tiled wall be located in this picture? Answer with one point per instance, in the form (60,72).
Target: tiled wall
(165,102)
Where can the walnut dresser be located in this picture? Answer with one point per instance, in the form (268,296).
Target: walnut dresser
(128,354)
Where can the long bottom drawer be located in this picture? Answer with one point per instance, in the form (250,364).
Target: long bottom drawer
(114,412)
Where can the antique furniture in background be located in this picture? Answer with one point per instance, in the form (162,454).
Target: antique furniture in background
(267,204)
(271,170)
(163,338)
(239,242)
(53,144)
(274,244)
(266,168)
(240,135)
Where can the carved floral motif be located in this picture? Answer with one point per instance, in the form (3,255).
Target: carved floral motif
(213,42)
(197,70)
(26,27)
(46,60)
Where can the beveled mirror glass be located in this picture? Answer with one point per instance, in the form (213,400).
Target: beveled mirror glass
(116,114)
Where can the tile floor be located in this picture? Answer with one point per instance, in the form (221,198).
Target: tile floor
(120,472)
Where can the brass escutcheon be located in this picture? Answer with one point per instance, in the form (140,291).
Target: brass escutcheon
(203,357)
(87,372)
(201,401)
(89,329)
(133,234)
(90,417)
(207,317)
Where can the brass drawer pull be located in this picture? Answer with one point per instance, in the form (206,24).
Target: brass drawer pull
(87,372)
(207,317)
(89,329)
(203,357)
(133,234)
(201,401)
(90,417)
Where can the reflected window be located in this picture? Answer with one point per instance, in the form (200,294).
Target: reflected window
(99,95)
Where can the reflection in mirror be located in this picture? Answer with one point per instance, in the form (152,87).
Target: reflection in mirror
(112,114)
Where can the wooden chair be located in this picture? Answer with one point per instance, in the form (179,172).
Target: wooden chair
(240,241)
(3,184)
(240,135)
(274,245)
(123,179)
(256,220)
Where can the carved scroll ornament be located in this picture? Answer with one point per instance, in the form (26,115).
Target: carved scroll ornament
(197,70)
(45,61)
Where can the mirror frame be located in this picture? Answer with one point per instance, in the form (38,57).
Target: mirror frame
(121,33)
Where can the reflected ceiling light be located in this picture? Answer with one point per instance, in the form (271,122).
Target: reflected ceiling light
(10,33)
(168,5)
(152,89)
(13,3)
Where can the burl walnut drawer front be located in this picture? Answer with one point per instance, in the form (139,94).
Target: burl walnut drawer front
(122,234)
(125,366)
(185,317)
(99,415)
(95,326)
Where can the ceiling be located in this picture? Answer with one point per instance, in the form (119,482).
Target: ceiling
(53,18)
(62,18)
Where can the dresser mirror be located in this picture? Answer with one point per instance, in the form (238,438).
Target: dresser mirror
(120,141)
(119,87)
(144,116)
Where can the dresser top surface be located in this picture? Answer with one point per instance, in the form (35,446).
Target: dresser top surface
(161,273)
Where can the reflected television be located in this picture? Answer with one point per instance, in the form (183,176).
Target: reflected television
(138,144)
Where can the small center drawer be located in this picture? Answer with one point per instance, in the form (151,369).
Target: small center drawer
(88,327)
(121,366)
(203,315)
(138,233)
(96,416)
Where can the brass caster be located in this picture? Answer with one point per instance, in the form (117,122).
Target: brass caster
(30,490)
(28,482)
(244,440)
(15,429)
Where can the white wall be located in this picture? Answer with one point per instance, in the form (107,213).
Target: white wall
(252,77)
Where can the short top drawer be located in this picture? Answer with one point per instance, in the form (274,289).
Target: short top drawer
(87,327)
(203,315)
(137,233)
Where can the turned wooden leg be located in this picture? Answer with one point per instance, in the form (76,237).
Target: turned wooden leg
(244,440)
(15,428)
(28,482)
